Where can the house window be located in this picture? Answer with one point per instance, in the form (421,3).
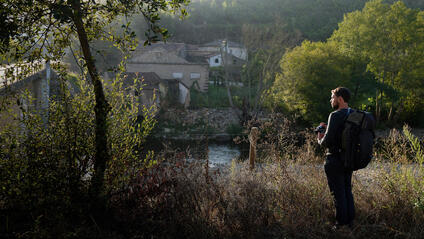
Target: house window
(177,75)
(216,60)
(234,61)
(194,75)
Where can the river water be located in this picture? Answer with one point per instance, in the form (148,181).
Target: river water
(221,154)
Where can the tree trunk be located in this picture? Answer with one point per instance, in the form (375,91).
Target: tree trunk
(227,84)
(260,86)
(382,96)
(377,110)
(101,109)
(391,111)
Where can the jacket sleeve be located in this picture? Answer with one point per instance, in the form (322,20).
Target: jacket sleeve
(329,138)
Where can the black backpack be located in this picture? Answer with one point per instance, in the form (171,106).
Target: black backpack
(357,139)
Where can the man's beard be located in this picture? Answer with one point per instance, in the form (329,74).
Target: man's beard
(335,106)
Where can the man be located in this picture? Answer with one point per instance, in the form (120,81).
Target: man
(339,179)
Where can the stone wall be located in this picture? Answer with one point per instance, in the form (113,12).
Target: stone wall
(218,119)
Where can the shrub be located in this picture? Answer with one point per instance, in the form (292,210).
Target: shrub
(46,166)
(281,139)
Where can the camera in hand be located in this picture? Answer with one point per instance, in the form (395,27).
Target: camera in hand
(319,129)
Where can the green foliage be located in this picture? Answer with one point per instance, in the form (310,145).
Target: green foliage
(234,130)
(389,39)
(130,123)
(45,30)
(415,144)
(210,20)
(310,71)
(375,52)
(48,166)
(408,181)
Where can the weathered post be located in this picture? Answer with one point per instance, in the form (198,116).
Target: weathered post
(253,137)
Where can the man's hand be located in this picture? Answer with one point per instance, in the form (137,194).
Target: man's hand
(321,134)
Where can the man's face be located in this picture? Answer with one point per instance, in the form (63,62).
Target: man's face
(334,101)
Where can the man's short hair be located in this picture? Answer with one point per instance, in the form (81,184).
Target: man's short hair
(343,92)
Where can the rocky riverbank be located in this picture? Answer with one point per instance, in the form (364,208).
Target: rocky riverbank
(217,124)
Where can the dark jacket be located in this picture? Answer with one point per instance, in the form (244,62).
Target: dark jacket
(332,139)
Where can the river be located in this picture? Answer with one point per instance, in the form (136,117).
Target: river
(219,153)
(222,154)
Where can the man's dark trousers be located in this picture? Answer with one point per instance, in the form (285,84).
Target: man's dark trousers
(340,184)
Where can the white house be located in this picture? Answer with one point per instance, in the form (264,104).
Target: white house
(233,48)
(215,60)
(184,95)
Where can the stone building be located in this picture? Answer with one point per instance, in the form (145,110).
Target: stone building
(151,89)
(41,86)
(171,61)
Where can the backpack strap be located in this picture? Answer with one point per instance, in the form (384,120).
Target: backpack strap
(344,122)
(348,113)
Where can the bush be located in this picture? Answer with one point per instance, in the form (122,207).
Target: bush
(234,130)
(217,97)
(281,139)
(46,165)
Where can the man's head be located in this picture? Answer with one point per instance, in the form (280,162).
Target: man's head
(340,98)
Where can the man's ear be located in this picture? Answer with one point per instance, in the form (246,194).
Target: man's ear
(340,100)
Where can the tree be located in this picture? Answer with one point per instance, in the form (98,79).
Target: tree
(210,20)
(389,39)
(376,51)
(42,30)
(308,74)
(266,47)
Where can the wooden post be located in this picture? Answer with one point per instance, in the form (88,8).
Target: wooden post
(253,137)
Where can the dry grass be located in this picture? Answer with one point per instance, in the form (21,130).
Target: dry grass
(287,197)
(281,200)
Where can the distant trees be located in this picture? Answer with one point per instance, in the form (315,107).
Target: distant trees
(266,44)
(377,52)
(210,20)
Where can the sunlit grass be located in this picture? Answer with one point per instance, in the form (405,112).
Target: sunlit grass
(288,198)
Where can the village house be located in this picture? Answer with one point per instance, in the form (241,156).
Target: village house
(150,89)
(225,54)
(237,50)
(181,66)
(171,61)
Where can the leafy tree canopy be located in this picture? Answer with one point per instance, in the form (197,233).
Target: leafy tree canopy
(376,52)
(37,30)
(390,39)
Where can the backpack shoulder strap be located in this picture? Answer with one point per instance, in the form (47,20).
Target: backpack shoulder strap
(349,110)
